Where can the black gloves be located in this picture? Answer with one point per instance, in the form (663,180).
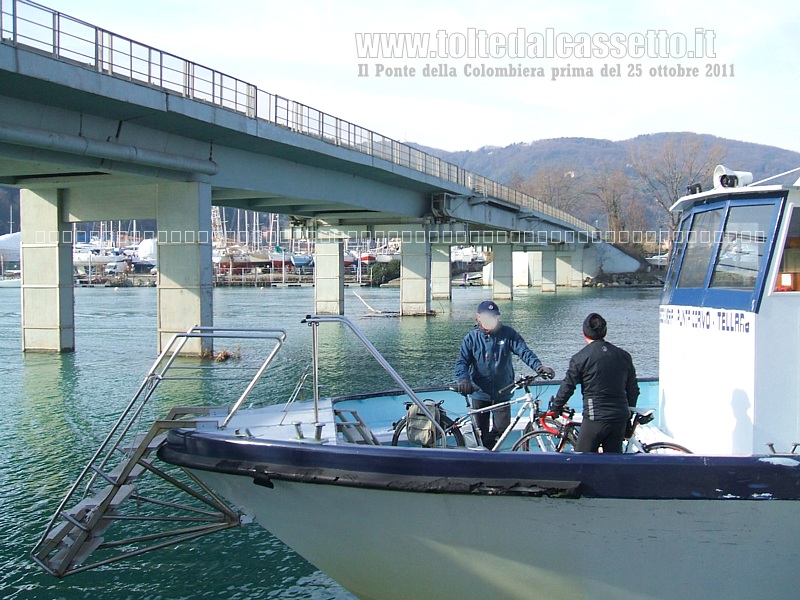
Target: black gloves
(545,372)
(464,387)
(551,408)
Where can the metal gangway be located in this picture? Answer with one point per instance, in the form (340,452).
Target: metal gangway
(113,493)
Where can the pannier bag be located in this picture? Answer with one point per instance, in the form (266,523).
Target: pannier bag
(420,429)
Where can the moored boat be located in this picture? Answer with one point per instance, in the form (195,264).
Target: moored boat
(8,281)
(387,257)
(302,260)
(658,260)
(349,259)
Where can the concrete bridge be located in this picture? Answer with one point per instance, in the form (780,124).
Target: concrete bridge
(95,126)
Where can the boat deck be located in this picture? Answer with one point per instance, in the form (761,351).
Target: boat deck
(380,411)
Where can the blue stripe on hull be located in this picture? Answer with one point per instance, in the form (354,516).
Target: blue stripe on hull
(631,476)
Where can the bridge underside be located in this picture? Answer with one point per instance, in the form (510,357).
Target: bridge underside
(86,146)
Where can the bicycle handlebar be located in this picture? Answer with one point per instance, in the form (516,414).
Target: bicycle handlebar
(522,382)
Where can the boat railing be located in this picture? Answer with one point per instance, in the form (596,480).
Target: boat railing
(166,363)
(315,320)
(112,475)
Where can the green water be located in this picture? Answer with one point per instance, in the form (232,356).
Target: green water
(55,409)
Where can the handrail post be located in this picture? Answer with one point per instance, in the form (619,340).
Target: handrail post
(56,35)
(254,380)
(316,319)
(315,365)
(14,25)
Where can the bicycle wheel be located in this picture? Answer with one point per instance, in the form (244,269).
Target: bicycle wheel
(665,448)
(538,440)
(454,437)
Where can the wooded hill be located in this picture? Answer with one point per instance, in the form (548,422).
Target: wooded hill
(520,165)
(523,159)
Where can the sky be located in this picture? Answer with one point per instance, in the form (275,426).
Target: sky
(309,51)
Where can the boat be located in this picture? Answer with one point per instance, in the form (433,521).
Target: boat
(10,257)
(387,257)
(349,259)
(280,257)
(234,257)
(10,247)
(10,281)
(93,255)
(658,260)
(466,258)
(403,521)
(300,260)
(390,251)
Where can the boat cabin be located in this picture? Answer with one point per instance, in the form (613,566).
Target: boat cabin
(730,319)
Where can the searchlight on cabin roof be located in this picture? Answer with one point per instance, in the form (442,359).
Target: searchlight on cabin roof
(725,177)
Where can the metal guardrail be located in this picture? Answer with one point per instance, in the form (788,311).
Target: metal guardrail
(30,25)
(315,320)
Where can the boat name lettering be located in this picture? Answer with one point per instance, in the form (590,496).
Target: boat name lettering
(705,318)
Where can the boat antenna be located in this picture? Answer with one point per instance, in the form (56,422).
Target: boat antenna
(775,176)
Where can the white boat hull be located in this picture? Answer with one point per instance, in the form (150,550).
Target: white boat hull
(482,546)
(402,522)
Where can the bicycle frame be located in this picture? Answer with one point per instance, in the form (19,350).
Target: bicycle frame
(631,445)
(528,403)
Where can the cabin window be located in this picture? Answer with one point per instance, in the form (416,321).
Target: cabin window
(699,248)
(789,271)
(742,246)
(677,253)
(722,248)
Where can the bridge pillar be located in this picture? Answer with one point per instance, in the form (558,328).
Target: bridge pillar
(441,278)
(522,270)
(185,291)
(502,272)
(576,274)
(549,270)
(589,261)
(48,297)
(328,273)
(415,271)
(535,266)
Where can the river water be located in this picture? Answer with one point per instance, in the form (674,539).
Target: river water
(55,409)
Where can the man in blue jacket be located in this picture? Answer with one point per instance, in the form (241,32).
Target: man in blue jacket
(484,368)
(608,381)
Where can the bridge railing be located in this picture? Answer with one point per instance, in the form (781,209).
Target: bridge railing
(35,27)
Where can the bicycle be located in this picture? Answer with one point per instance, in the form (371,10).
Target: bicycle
(464,430)
(564,437)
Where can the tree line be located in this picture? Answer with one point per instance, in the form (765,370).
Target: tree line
(631,197)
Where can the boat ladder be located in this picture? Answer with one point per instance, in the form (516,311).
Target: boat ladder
(170,506)
(357,426)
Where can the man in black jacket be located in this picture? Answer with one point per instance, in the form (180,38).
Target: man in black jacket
(608,382)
